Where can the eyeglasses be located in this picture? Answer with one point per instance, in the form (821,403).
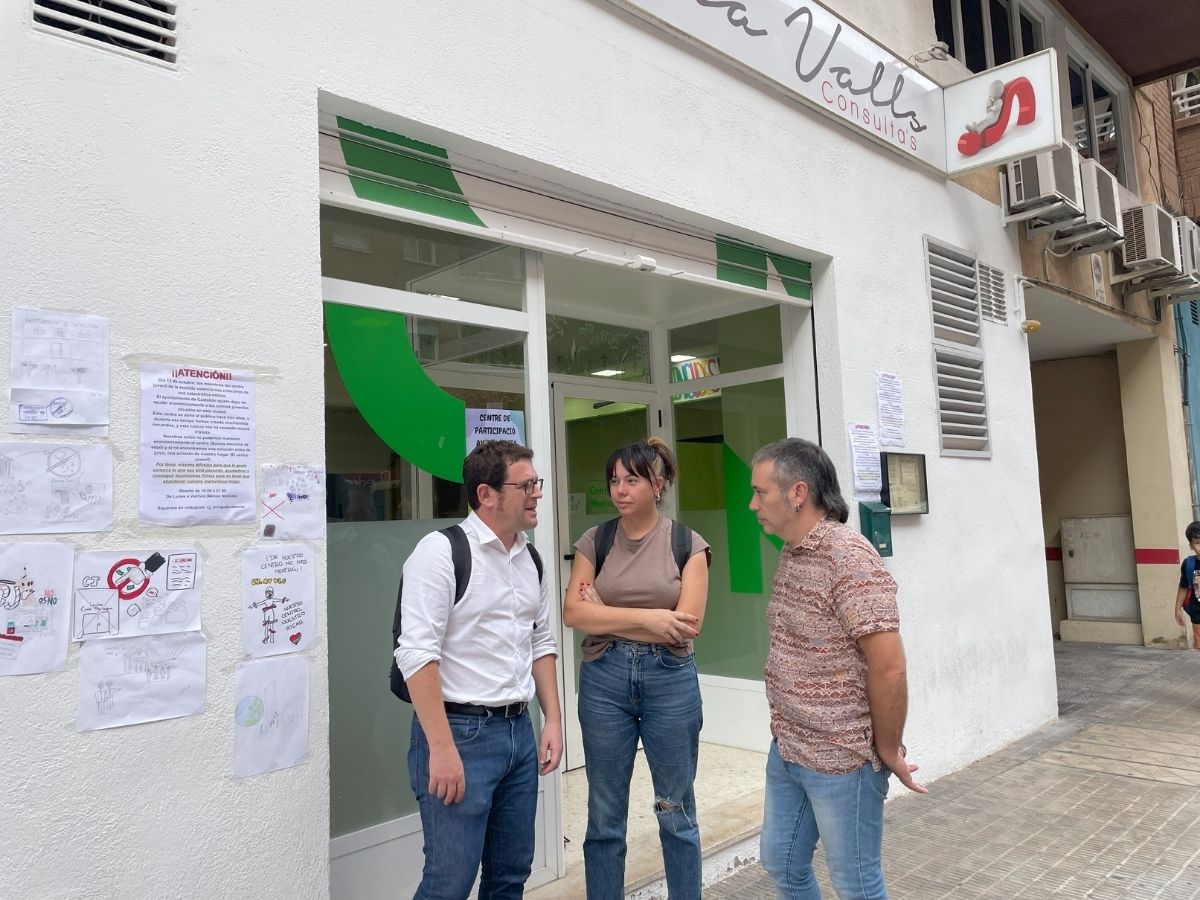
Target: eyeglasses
(530,487)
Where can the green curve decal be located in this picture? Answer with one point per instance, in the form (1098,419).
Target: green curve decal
(744,532)
(745,264)
(435,190)
(412,415)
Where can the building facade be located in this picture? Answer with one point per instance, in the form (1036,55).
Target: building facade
(540,218)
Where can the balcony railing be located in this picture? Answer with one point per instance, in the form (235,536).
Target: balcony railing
(1186,95)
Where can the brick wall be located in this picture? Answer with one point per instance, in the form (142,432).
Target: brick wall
(1187,148)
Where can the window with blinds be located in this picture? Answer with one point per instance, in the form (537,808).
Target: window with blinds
(961,293)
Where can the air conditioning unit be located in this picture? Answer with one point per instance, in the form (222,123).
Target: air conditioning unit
(1151,239)
(1044,186)
(1101,227)
(1189,247)
(1172,288)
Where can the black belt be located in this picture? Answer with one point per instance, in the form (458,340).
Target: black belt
(511,711)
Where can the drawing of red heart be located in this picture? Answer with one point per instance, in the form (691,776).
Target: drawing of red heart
(294,638)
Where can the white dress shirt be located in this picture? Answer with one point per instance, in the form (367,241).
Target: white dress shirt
(486,644)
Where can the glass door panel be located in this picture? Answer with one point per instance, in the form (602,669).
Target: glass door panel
(590,424)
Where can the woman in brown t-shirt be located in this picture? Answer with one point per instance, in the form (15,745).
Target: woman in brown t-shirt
(638,678)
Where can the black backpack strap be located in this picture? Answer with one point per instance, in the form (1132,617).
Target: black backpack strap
(606,533)
(460,555)
(537,560)
(681,544)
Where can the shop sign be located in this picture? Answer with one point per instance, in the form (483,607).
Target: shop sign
(700,367)
(814,56)
(1004,113)
(494,425)
(599,503)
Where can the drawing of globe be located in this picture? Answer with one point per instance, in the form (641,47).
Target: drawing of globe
(249,711)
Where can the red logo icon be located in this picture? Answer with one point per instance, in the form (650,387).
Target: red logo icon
(1001,100)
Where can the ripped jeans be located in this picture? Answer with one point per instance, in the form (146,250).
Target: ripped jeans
(633,691)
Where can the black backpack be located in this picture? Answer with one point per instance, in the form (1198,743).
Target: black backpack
(681,543)
(460,554)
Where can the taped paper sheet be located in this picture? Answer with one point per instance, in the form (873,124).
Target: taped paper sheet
(292,504)
(278,599)
(35,615)
(197,446)
(140,679)
(55,488)
(59,367)
(270,715)
(128,593)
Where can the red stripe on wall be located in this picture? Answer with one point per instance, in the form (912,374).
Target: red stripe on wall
(1054,554)
(1152,557)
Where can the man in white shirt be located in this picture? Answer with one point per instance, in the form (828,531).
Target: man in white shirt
(472,668)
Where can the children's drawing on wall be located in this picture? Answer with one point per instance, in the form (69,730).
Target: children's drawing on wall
(55,488)
(140,679)
(119,593)
(270,715)
(292,503)
(59,368)
(278,599)
(35,582)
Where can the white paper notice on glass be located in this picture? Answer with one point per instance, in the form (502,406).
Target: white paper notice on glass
(35,616)
(140,679)
(129,593)
(864,453)
(270,715)
(279,589)
(55,488)
(59,368)
(890,400)
(197,446)
(292,504)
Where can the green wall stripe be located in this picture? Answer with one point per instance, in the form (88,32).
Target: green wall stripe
(745,264)
(444,197)
(393,393)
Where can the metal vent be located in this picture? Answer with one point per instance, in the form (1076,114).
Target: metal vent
(954,294)
(1063,161)
(1028,185)
(140,28)
(1135,234)
(992,300)
(1165,223)
(1109,204)
(1195,313)
(962,402)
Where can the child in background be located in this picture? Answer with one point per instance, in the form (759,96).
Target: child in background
(1186,600)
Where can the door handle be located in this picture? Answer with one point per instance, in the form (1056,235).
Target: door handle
(568,556)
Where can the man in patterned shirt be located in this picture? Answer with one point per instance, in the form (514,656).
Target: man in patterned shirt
(835,679)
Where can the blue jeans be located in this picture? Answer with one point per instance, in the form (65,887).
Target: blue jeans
(633,691)
(493,824)
(844,811)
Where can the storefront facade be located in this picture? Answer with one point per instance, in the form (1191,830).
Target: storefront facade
(482,209)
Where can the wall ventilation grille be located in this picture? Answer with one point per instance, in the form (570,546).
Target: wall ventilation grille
(140,28)
(992,300)
(954,294)
(962,402)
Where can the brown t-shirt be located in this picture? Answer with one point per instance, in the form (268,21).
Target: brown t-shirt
(638,574)
(830,590)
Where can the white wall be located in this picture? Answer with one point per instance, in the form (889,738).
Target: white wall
(182,205)
(589,90)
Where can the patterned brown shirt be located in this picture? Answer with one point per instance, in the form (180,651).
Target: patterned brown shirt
(830,590)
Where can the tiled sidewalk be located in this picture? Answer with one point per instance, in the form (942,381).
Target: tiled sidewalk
(1104,803)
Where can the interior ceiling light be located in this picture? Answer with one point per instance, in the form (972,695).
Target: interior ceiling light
(609,373)
(681,357)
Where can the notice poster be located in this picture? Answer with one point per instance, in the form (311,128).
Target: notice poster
(270,715)
(55,488)
(864,454)
(59,368)
(124,593)
(278,599)
(197,446)
(292,504)
(494,425)
(140,679)
(35,616)
(889,399)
